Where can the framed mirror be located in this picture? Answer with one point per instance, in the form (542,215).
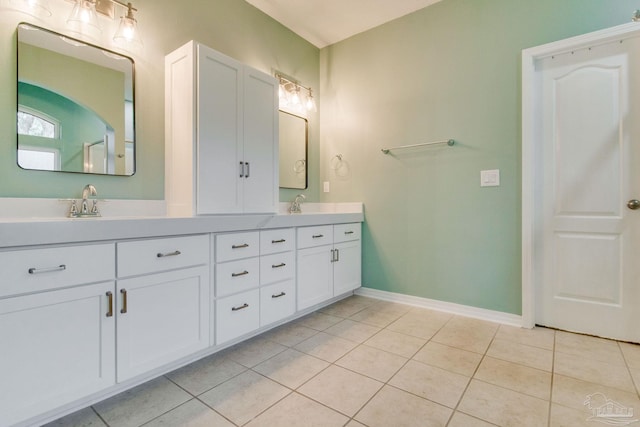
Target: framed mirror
(75,110)
(293,151)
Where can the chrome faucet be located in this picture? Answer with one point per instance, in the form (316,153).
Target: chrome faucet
(297,202)
(88,191)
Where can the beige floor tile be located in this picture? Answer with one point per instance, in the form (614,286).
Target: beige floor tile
(503,407)
(191,414)
(298,411)
(631,354)
(244,397)
(513,376)
(562,416)
(291,368)
(141,404)
(354,423)
(535,337)
(347,307)
(396,343)
(290,334)
(463,420)
(340,389)
(635,374)
(594,371)
(254,351)
(572,393)
(205,374)
(533,357)
(466,334)
(450,358)
(372,362)
(397,408)
(375,317)
(588,347)
(326,347)
(390,307)
(353,331)
(318,321)
(84,418)
(415,326)
(432,318)
(432,383)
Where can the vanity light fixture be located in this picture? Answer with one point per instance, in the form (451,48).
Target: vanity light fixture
(294,96)
(36,8)
(128,32)
(85,14)
(84,18)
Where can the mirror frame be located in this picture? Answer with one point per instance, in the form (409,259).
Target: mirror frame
(306,149)
(131,114)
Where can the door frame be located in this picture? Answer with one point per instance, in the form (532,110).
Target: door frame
(532,165)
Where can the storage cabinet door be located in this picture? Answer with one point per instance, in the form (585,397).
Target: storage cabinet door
(57,347)
(315,276)
(347,267)
(260,142)
(161,318)
(219,133)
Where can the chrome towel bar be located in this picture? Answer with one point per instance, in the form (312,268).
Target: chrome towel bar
(449,142)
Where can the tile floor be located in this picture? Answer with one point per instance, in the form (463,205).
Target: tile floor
(363,362)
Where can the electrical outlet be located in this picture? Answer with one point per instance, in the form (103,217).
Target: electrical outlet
(490,178)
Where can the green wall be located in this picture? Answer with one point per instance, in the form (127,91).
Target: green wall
(451,70)
(231,26)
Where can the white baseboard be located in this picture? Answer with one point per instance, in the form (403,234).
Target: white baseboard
(448,307)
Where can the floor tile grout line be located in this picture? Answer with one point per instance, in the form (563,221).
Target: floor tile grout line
(626,363)
(99,416)
(553,374)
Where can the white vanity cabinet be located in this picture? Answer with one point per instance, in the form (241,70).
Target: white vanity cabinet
(221,134)
(162,302)
(277,275)
(329,262)
(57,327)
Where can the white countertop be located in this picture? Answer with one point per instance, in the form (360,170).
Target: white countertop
(28,231)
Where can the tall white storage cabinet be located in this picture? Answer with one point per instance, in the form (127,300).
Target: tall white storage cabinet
(221,134)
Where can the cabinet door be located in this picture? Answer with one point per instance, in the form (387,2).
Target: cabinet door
(315,276)
(57,346)
(219,133)
(260,142)
(347,267)
(161,318)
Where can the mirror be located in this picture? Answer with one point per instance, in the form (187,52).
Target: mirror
(293,151)
(75,109)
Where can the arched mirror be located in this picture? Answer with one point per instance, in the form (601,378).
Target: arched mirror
(75,109)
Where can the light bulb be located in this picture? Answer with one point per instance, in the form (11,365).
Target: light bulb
(127,33)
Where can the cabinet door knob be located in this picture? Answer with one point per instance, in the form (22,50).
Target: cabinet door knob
(110,296)
(243,306)
(348,232)
(282,264)
(246,175)
(124,301)
(34,270)
(244,245)
(281,294)
(241,169)
(317,236)
(278,241)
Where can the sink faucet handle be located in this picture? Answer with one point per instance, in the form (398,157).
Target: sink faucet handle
(94,208)
(73,210)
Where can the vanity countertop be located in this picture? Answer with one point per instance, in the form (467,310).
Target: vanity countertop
(17,232)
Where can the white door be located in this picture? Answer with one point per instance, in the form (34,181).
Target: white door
(589,274)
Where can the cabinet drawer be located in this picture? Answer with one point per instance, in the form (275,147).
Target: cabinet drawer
(237,315)
(279,240)
(346,232)
(35,270)
(277,267)
(237,245)
(315,236)
(154,255)
(237,276)
(277,302)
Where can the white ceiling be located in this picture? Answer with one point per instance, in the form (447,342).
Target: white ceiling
(324,22)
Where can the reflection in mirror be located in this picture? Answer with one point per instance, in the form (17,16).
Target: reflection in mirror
(75,108)
(293,151)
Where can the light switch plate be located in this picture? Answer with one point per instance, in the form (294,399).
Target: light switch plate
(490,178)
(326,186)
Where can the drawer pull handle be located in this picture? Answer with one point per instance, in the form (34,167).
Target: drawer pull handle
(282,264)
(244,273)
(278,241)
(166,254)
(348,232)
(337,255)
(317,236)
(124,301)
(244,245)
(110,296)
(34,270)
(243,306)
(281,294)
(241,169)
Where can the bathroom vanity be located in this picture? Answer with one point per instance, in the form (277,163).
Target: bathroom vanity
(91,307)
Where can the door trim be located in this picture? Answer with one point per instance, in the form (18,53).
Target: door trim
(531,162)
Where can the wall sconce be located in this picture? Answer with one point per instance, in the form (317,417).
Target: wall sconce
(37,8)
(293,96)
